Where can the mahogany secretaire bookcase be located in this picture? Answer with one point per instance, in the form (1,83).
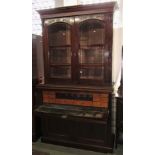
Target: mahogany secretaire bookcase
(75,98)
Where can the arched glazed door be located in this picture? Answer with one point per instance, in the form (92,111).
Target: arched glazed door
(92,52)
(59,57)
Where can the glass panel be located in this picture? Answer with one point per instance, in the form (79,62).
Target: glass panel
(60,55)
(91,55)
(60,72)
(92,32)
(91,73)
(59,34)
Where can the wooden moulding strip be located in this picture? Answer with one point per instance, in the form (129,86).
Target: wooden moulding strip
(51,96)
(104,95)
(98,97)
(45,100)
(45,92)
(99,100)
(104,100)
(96,104)
(48,92)
(59,101)
(87,103)
(48,97)
(51,100)
(45,95)
(104,104)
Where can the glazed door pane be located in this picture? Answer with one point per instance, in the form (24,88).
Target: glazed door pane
(60,72)
(60,55)
(91,47)
(91,55)
(59,42)
(59,34)
(92,32)
(77,48)
(91,73)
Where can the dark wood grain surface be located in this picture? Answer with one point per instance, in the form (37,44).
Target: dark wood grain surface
(65,127)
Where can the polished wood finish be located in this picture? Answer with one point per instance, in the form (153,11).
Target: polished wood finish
(81,98)
(36,131)
(35,80)
(66,126)
(73,124)
(74,103)
(119,120)
(76,12)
